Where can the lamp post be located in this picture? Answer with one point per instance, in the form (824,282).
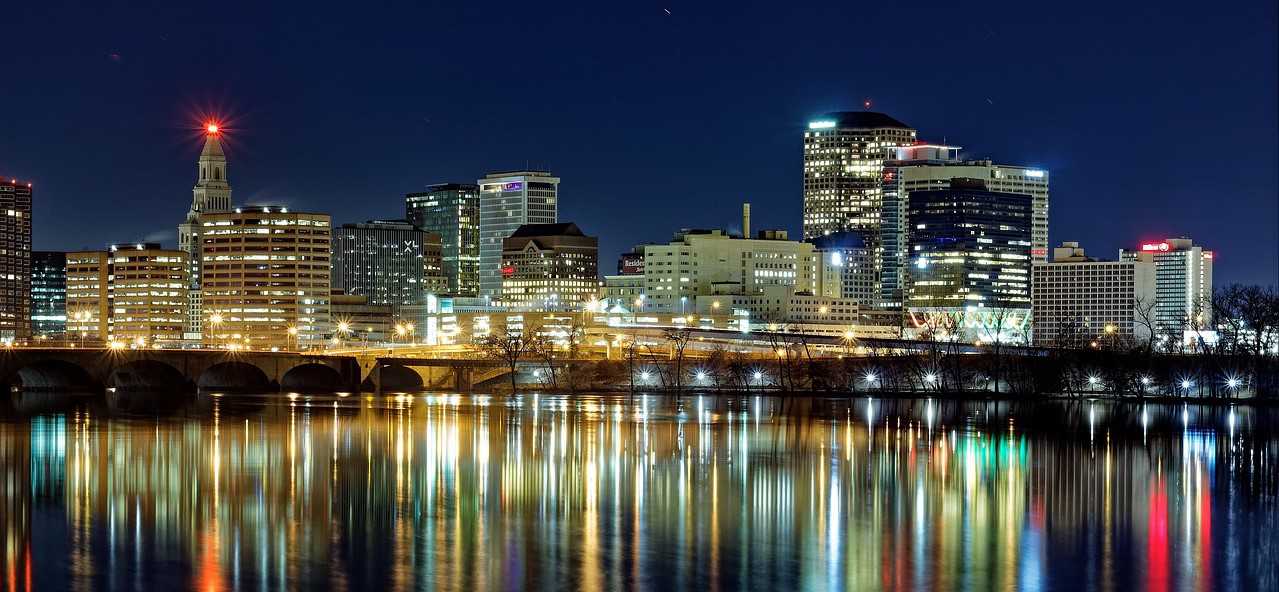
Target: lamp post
(215,320)
(293,336)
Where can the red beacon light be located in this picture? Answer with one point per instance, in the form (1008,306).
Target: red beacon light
(213,128)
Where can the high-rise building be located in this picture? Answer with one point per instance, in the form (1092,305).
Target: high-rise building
(970,261)
(265,277)
(15,260)
(391,262)
(49,295)
(212,193)
(88,297)
(509,200)
(148,294)
(549,267)
(844,156)
(892,257)
(1183,284)
(452,210)
(1077,300)
(919,168)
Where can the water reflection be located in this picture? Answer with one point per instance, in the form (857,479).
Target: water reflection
(474,492)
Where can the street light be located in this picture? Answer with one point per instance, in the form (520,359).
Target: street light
(293,336)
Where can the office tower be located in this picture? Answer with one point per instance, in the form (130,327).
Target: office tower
(48,295)
(452,210)
(15,260)
(508,201)
(1183,285)
(391,262)
(706,262)
(549,267)
(265,278)
(88,297)
(212,192)
(844,156)
(892,257)
(846,255)
(1078,301)
(365,322)
(148,293)
(929,167)
(970,261)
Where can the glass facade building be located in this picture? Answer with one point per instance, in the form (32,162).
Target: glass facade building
(49,295)
(452,211)
(970,255)
(508,201)
(391,262)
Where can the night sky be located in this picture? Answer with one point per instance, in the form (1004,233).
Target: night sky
(1155,120)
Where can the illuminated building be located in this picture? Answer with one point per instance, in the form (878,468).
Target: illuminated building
(265,271)
(48,295)
(212,192)
(970,260)
(135,294)
(706,262)
(392,262)
(1077,300)
(626,289)
(148,293)
(509,200)
(844,156)
(15,260)
(88,280)
(452,210)
(1183,284)
(931,167)
(549,267)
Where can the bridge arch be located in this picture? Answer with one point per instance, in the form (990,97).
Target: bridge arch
(393,377)
(52,375)
(312,377)
(147,375)
(235,376)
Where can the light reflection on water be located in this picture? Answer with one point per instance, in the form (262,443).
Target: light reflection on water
(461,492)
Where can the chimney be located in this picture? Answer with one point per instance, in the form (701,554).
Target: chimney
(746,220)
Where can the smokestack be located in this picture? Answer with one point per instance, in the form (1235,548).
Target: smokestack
(746,220)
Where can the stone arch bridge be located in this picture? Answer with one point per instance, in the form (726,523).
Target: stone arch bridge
(95,370)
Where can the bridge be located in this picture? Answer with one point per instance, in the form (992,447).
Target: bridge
(94,370)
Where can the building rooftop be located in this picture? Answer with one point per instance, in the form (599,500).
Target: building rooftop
(858,120)
(557,229)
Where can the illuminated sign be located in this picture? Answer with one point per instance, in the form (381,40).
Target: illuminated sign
(630,264)
(1035,174)
(1155,247)
(512,186)
(821,124)
(508,270)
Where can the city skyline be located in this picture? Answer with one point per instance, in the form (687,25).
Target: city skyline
(710,149)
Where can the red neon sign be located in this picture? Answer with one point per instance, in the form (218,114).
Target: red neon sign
(508,270)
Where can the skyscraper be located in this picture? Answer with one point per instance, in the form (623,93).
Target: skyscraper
(509,200)
(1078,300)
(49,295)
(265,277)
(1183,284)
(88,296)
(212,192)
(452,210)
(970,261)
(15,260)
(844,156)
(391,262)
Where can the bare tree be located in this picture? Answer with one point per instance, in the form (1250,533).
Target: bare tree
(507,347)
(677,339)
(1144,315)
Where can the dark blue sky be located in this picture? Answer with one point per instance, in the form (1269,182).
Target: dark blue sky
(1154,121)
